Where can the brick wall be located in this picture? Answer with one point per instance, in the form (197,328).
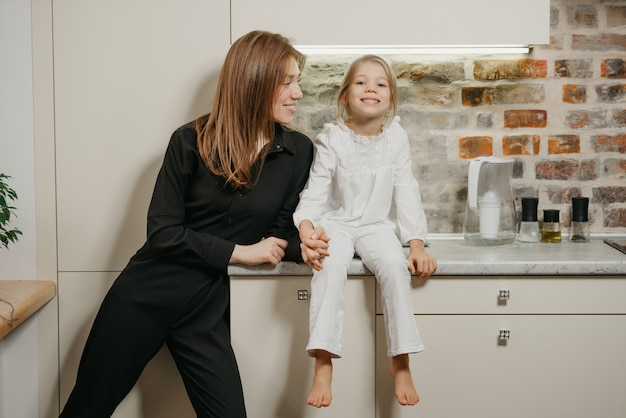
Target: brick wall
(559,112)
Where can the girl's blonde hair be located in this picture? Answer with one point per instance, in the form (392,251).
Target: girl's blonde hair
(348,77)
(242,112)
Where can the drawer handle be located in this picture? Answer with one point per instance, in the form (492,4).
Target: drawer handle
(504,335)
(303,294)
(504,294)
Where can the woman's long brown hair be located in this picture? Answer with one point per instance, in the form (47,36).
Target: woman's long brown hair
(228,137)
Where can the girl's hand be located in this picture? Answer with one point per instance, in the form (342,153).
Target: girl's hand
(270,250)
(314,247)
(420,263)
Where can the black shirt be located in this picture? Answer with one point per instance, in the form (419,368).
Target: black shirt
(195,218)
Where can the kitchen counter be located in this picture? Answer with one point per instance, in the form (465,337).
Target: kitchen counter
(455,258)
(20,299)
(493,316)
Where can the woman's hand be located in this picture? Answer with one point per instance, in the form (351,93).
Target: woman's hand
(314,247)
(270,250)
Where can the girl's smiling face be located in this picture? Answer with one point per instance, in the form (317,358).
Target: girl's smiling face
(368,96)
(288,94)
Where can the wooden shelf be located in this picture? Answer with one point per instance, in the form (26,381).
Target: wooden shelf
(20,299)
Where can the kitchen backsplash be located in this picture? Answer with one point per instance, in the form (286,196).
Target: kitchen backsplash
(559,112)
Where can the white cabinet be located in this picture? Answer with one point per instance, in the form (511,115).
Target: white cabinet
(126,75)
(397,22)
(159,392)
(270,329)
(564,356)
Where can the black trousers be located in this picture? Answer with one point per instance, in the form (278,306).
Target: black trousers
(129,330)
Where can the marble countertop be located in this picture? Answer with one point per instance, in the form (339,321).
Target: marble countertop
(455,258)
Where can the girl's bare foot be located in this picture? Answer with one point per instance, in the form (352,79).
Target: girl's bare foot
(404,388)
(321,394)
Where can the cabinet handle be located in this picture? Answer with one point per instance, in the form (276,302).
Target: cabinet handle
(504,335)
(504,294)
(303,294)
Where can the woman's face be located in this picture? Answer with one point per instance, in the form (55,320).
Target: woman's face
(288,94)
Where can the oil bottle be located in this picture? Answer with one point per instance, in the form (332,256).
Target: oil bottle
(551,228)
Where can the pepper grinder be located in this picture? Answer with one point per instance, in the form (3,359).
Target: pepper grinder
(551,228)
(529,227)
(579,229)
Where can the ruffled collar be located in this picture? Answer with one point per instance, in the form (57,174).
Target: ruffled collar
(365,138)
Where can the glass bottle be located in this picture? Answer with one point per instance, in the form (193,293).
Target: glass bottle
(551,228)
(529,227)
(579,229)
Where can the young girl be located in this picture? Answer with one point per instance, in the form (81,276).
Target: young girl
(362,168)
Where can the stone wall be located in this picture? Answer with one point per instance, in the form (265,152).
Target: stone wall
(559,112)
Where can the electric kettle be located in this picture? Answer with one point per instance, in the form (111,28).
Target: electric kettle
(490,217)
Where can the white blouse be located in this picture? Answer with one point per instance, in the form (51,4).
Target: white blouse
(361,180)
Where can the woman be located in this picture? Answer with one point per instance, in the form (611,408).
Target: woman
(225,194)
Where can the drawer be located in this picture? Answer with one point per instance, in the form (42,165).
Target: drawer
(570,366)
(517,295)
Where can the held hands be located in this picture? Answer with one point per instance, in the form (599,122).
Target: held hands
(270,250)
(314,247)
(421,263)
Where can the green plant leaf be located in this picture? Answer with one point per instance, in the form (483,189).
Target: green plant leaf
(7,194)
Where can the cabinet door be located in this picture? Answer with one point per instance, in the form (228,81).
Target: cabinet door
(126,75)
(443,22)
(552,366)
(159,392)
(270,329)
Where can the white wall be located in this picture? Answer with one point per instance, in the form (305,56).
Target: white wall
(18,351)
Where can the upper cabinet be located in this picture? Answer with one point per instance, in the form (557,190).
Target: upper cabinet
(126,75)
(397,22)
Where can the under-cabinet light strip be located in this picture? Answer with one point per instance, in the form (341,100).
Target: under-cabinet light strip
(411,50)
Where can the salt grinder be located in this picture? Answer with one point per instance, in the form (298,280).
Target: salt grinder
(579,229)
(529,227)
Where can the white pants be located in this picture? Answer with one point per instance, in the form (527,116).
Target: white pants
(381,252)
